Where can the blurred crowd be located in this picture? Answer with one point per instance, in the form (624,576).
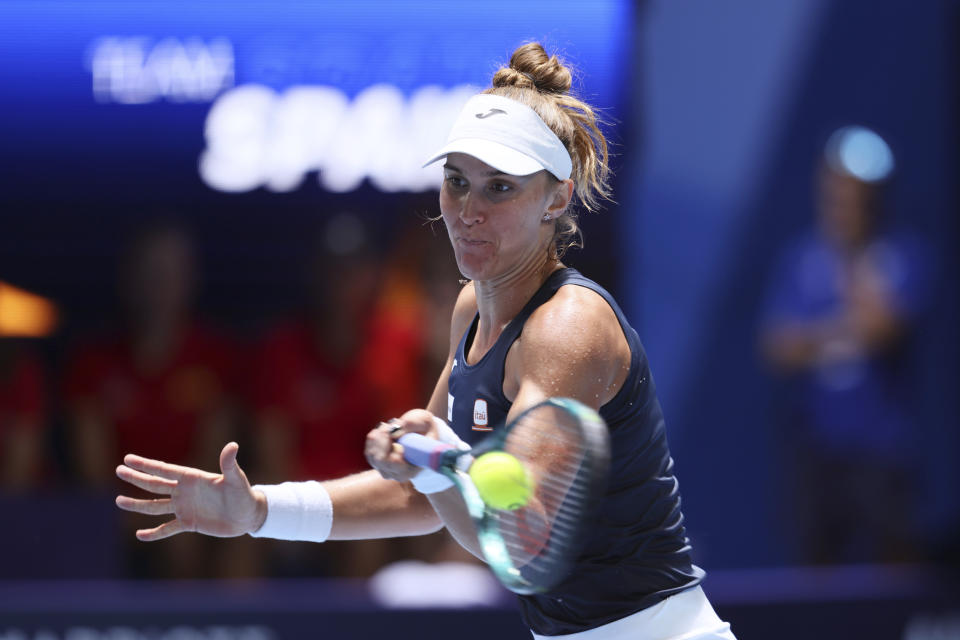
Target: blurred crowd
(299,396)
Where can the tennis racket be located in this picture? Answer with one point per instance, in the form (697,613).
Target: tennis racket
(564,448)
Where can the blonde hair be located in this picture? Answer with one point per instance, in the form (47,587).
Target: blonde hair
(542,82)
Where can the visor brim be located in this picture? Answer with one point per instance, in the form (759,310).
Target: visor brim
(497,155)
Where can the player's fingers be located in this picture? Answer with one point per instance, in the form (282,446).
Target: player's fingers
(145,481)
(155,467)
(416,421)
(392,427)
(157,507)
(378,444)
(165,530)
(396,454)
(393,466)
(228,459)
(381,454)
(402,470)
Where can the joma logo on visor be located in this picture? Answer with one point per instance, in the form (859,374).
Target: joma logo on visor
(491,112)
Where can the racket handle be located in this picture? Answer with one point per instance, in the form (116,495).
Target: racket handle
(423,451)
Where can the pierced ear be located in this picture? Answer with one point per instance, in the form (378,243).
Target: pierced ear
(547,217)
(561,198)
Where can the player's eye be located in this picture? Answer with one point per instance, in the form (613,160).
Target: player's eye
(500,187)
(455,181)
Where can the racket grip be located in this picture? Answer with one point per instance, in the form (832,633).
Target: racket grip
(423,451)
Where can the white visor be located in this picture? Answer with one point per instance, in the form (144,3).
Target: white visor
(508,136)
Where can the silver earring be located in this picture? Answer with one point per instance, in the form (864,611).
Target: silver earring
(546,217)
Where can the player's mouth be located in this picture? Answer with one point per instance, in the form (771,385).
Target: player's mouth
(471,242)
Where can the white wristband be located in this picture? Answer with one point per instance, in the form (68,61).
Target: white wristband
(429,481)
(296,511)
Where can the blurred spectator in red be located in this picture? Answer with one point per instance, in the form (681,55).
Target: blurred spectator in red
(325,378)
(841,308)
(160,388)
(23,411)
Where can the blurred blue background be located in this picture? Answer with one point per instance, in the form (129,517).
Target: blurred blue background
(117,115)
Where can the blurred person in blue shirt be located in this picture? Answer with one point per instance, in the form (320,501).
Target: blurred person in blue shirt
(841,308)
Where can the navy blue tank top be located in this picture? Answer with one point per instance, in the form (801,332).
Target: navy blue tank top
(637,553)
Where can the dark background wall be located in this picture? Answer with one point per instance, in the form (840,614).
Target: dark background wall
(736,103)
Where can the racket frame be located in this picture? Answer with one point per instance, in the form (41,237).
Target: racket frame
(495,551)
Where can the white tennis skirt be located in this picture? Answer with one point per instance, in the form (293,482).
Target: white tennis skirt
(684,616)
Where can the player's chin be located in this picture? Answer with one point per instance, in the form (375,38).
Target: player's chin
(474,266)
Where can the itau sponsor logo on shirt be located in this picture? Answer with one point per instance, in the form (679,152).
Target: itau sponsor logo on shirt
(480,420)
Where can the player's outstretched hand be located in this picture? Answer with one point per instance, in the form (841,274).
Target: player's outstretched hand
(222,505)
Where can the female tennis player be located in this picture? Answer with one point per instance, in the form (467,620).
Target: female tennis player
(520,157)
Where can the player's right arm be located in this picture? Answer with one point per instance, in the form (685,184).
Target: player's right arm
(225,505)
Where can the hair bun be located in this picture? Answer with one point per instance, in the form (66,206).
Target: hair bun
(531,68)
(543,83)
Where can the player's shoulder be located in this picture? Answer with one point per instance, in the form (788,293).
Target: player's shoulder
(574,345)
(570,307)
(575,318)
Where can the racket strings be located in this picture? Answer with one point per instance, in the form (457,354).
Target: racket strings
(549,444)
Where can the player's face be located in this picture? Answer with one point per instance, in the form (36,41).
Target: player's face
(495,220)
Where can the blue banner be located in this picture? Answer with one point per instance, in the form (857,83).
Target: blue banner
(263,93)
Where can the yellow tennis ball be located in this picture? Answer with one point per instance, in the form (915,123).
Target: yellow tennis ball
(501,480)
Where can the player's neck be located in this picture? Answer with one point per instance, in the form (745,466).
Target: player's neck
(500,299)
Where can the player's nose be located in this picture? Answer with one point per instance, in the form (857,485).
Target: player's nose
(471,210)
